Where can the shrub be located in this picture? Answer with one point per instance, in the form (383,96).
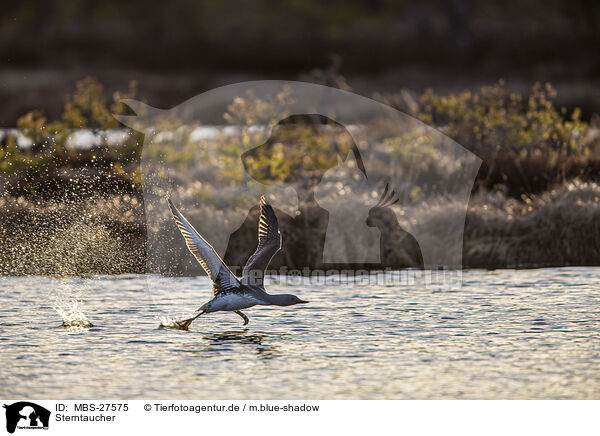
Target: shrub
(525,141)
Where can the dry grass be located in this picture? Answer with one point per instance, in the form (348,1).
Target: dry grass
(106,235)
(535,202)
(558,227)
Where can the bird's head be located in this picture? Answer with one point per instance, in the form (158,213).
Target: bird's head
(286,300)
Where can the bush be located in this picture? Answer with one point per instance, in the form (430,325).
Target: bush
(527,144)
(45,168)
(537,200)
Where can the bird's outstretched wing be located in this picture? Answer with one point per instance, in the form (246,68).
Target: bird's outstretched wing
(269,243)
(223,279)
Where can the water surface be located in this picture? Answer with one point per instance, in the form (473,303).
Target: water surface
(531,334)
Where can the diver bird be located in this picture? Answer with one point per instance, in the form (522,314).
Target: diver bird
(230,293)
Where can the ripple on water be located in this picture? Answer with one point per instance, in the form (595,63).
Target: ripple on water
(505,334)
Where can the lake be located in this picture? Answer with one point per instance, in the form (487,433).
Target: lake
(506,334)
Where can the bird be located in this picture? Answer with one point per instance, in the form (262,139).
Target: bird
(230,292)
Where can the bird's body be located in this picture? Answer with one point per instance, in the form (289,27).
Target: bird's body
(230,293)
(233,301)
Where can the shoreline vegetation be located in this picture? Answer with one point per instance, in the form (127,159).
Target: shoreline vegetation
(68,210)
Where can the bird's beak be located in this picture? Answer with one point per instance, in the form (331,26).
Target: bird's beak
(302,301)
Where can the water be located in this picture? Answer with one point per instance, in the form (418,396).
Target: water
(531,334)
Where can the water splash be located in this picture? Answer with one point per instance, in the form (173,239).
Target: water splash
(167,322)
(67,300)
(73,315)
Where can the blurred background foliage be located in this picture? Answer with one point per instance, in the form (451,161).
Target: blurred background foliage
(180,48)
(186,32)
(538,186)
(536,200)
(48,166)
(526,142)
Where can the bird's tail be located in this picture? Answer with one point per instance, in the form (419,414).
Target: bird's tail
(203,308)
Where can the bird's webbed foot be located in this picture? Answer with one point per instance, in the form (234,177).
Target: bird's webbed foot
(181,325)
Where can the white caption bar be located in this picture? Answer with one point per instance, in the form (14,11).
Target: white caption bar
(299,417)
